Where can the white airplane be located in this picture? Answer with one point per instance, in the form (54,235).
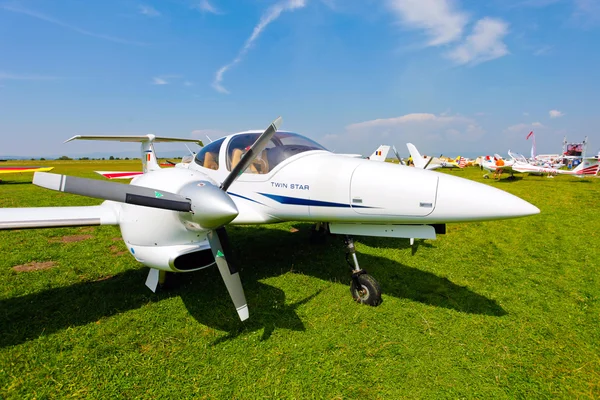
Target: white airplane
(380,154)
(518,163)
(422,162)
(174,219)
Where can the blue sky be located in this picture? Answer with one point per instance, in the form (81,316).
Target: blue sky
(453,77)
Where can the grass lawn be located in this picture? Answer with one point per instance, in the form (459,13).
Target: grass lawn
(502,309)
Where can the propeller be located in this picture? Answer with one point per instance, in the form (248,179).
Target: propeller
(397,155)
(129,194)
(201,202)
(430,160)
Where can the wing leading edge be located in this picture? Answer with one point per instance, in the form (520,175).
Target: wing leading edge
(55,217)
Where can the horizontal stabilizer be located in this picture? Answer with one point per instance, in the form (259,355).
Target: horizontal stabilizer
(55,217)
(119,174)
(134,138)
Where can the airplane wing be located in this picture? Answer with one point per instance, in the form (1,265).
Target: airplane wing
(11,170)
(54,217)
(119,174)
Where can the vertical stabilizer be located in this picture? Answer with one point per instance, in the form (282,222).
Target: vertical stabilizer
(588,166)
(149,162)
(417,158)
(380,154)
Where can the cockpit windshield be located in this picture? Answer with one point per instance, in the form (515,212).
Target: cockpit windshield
(282,146)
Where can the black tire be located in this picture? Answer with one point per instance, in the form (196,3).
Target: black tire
(370,292)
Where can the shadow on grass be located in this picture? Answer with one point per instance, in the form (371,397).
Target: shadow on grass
(4,182)
(508,179)
(265,253)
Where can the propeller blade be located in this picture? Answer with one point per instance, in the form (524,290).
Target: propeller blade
(219,244)
(251,154)
(130,194)
(429,162)
(397,155)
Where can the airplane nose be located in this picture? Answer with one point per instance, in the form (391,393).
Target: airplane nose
(460,199)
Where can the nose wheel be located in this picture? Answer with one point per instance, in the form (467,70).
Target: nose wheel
(364,288)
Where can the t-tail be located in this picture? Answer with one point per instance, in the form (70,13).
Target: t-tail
(380,154)
(588,167)
(149,161)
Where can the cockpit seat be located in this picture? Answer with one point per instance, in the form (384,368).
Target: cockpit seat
(210,162)
(236,156)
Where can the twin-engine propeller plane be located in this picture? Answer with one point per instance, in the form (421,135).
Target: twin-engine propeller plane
(174,219)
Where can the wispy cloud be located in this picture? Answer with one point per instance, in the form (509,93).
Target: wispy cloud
(440,20)
(205,7)
(159,81)
(25,77)
(419,126)
(555,113)
(149,11)
(269,16)
(587,11)
(483,44)
(167,79)
(543,50)
(188,83)
(46,18)
(524,127)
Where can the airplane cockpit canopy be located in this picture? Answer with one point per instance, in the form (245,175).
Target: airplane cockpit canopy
(282,146)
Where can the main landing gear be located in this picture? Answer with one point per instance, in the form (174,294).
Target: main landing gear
(364,287)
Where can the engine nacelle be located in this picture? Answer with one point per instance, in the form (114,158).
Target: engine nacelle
(179,258)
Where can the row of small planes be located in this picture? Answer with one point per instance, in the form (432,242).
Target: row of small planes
(174,219)
(588,166)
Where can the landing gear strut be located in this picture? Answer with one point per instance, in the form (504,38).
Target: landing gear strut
(364,287)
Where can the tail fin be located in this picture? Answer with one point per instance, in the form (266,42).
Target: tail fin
(149,162)
(380,154)
(417,158)
(588,167)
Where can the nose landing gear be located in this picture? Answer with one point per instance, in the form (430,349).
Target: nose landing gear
(364,288)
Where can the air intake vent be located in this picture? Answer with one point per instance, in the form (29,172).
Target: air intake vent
(195,260)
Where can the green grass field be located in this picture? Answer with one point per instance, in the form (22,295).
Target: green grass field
(502,309)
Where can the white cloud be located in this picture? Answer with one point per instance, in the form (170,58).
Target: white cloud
(430,131)
(166,79)
(440,20)
(555,113)
(25,77)
(269,16)
(34,14)
(523,127)
(205,7)
(526,114)
(149,11)
(483,44)
(587,11)
(543,50)
(188,83)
